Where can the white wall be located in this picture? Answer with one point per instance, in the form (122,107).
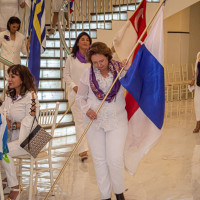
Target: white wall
(174,6)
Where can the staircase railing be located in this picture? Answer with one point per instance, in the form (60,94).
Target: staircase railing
(89,10)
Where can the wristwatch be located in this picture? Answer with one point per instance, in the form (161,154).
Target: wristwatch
(14,126)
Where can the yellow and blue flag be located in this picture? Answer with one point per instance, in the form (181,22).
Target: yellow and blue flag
(37,34)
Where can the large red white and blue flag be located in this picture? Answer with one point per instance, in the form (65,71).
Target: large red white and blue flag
(145,82)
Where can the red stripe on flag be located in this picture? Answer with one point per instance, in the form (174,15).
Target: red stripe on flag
(131,105)
(138,21)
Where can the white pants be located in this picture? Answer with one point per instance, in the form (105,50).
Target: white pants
(79,126)
(14,150)
(107,148)
(197,102)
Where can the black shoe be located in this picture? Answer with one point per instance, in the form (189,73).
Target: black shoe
(120,196)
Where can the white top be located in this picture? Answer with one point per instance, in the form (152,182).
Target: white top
(8,8)
(56,5)
(10,49)
(19,111)
(110,113)
(72,73)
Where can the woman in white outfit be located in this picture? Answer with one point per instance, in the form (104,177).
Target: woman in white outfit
(12,42)
(107,134)
(9,8)
(196,81)
(74,67)
(20,111)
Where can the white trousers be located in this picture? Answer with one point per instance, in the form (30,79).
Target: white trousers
(79,126)
(10,170)
(197,102)
(107,148)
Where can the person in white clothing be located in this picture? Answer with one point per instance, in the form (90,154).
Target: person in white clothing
(12,42)
(196,82)
(20,110)
(106,136)
(56,8)
(9,8)
(75,65)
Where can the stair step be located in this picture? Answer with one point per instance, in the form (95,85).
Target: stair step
(45,62)
(92,25)
(62,106)
(66,118)
(51,94)
(50,72)
(63,126)
(109,16)
(125,7)
(74,34)
(50,83)
(55,42)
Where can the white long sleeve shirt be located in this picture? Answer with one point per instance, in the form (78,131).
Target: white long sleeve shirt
(73,71)
(19,111)
(110,113)
(10,49)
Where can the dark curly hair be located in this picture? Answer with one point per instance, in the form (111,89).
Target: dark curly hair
(98,48)
(75,47)
(28,83)
(13,20)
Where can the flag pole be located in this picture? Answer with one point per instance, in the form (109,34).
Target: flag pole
(65,113)
(90,123)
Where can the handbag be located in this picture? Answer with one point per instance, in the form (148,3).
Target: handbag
(198,75)
(37,138)
(198,81)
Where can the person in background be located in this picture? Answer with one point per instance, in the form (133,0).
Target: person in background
(75,66)
(12,42)
(20,109)
(106,136)
(56,8)
(196,82)
(9,8)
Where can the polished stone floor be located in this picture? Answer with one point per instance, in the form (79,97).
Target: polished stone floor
(170,171)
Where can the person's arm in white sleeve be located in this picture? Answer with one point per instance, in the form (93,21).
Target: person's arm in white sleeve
(67,74)
(24,47)
(81,97)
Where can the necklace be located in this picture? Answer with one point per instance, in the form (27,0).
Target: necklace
(15,98)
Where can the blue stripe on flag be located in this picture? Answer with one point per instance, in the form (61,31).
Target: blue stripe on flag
(4,139)
(38,35)
(145,82)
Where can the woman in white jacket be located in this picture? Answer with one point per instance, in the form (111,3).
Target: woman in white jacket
(20,111)
(12,42)
(75,65)
(196,81)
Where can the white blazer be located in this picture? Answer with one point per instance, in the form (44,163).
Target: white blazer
(10,49)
